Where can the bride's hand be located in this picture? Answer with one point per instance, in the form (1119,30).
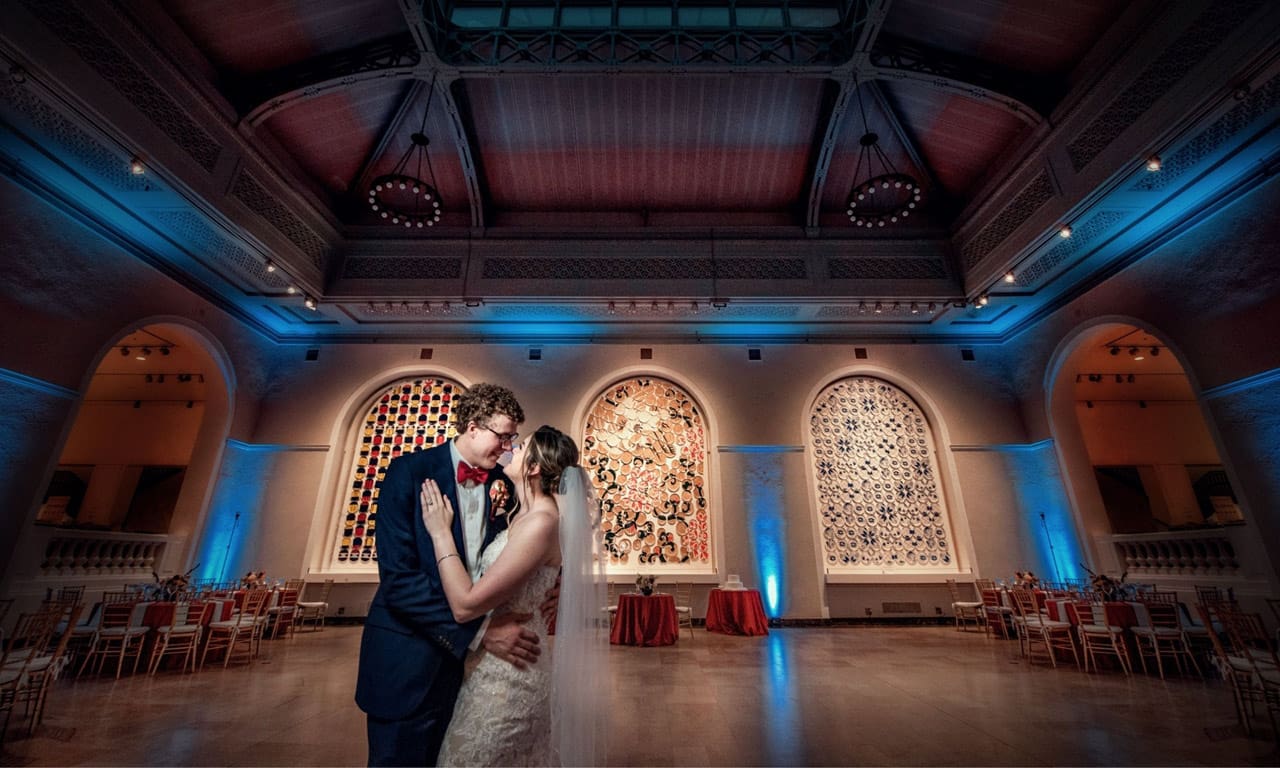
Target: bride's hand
(437,511)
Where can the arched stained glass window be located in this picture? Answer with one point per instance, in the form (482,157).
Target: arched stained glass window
(877,478)
(646,449)
(407,416)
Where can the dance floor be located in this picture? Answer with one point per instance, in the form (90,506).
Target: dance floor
(814,696)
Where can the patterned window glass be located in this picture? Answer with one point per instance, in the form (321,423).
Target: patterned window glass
(646,448)
(877,479)
(408,416)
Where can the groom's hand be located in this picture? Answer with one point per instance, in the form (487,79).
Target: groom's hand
(506,638)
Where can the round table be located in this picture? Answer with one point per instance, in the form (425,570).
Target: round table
(736,612)
(645,620)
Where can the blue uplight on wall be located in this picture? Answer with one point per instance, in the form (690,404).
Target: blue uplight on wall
(766,526)
(227,545)
(1046,511)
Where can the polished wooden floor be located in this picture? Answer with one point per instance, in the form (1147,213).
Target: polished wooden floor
(815,696)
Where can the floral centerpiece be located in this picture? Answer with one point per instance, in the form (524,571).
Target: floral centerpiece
(1026,579)
(168,589)
(1112,589)
(644,584)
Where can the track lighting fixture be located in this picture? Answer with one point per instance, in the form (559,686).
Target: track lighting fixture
(982,301)
(1065,231)
(270,266)
(309,302)
(124,351)
(1153,163)
(143,354)
(719,303)
(1115,351)
(1155,351)
(292,289)
(1010,278)
(136,166)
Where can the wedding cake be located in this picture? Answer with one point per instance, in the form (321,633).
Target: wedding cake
(733,582)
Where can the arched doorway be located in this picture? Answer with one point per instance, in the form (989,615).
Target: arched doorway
(1152,494)
(132,479)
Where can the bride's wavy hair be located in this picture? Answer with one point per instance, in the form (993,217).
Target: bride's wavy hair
(552,452)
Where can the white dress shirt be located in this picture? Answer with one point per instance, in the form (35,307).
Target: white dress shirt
(471,508)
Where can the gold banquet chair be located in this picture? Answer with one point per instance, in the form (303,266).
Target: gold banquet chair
(1165,636)
(25,647)
(684,606)
(238,636)
(1099,637)
(119,636)
(182,637)
(314,610)
(964,610)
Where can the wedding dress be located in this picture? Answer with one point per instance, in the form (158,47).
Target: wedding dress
(503,714)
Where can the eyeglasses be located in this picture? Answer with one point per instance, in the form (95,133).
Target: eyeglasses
(504,438)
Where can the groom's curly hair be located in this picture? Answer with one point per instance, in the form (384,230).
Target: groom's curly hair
(482,402)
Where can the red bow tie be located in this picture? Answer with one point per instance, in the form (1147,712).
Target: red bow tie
(467,472)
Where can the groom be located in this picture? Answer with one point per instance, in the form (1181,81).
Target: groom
(412,649)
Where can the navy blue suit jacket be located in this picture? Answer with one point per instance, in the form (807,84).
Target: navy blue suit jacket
(410,632)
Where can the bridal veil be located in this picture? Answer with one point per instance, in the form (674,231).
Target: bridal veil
(579,677)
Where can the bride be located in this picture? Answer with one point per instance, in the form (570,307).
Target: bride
(546,713)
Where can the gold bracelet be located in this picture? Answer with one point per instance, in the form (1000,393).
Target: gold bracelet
(446,557)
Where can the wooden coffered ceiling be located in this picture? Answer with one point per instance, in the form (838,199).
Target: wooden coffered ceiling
(619,177)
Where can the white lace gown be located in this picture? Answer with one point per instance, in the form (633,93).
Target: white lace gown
(503,714)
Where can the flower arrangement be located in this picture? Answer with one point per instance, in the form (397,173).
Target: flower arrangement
(644,583)
(169,588)
(1026,579)
(1112,589)
(252,579)
(499,498)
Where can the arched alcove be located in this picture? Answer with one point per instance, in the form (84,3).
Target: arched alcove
(1141,461)
(132,477)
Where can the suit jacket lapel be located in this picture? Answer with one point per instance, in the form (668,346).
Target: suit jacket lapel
(441,470)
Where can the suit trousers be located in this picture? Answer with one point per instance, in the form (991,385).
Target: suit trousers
(416,739)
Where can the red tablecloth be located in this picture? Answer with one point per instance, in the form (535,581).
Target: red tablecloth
(1118,614)
(645,620)
(736,612)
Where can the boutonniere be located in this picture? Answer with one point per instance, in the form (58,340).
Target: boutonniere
(499,498)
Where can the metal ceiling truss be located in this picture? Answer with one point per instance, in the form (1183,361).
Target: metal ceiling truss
(261,96)
(614,43)
(893,58)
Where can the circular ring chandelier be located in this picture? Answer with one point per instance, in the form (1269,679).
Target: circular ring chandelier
(881,198)
(402,197)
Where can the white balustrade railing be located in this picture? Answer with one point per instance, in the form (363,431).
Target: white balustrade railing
(1185,553)
(105,553)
